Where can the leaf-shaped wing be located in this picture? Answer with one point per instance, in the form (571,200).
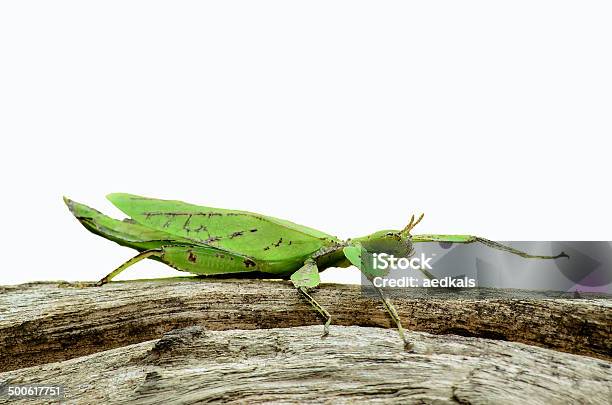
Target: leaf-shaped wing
(246,233)
(126,232)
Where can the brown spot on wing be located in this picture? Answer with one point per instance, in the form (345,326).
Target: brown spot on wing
(192,257)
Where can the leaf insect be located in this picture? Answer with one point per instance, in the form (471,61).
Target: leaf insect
(213,241)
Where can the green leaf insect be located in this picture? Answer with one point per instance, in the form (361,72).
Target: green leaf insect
(213,241)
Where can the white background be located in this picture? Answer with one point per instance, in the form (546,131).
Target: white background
(347,116)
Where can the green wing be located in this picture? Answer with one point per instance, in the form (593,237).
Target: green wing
(126,232)
(257,236)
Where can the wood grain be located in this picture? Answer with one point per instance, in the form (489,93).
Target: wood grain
(42,323)
(352,365)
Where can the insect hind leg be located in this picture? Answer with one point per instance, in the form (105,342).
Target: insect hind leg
(142,255)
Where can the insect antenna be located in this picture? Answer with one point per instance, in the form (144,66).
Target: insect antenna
(411,224)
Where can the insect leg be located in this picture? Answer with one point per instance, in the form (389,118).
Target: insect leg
(486,242)
(322,311)
(394,315)
(308,277)
(135,259)
(361,258)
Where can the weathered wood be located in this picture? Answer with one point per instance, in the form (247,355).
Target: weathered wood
(295,365)
(41,322)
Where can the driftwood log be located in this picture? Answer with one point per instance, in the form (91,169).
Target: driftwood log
(192,340)
(354,365)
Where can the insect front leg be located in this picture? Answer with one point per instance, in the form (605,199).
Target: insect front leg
(486,242)
(361,258)
(307,277)
(394,315)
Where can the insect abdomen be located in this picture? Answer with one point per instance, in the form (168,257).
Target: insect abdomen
(207,261)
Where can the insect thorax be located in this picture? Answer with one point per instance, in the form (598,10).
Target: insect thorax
(331,256)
